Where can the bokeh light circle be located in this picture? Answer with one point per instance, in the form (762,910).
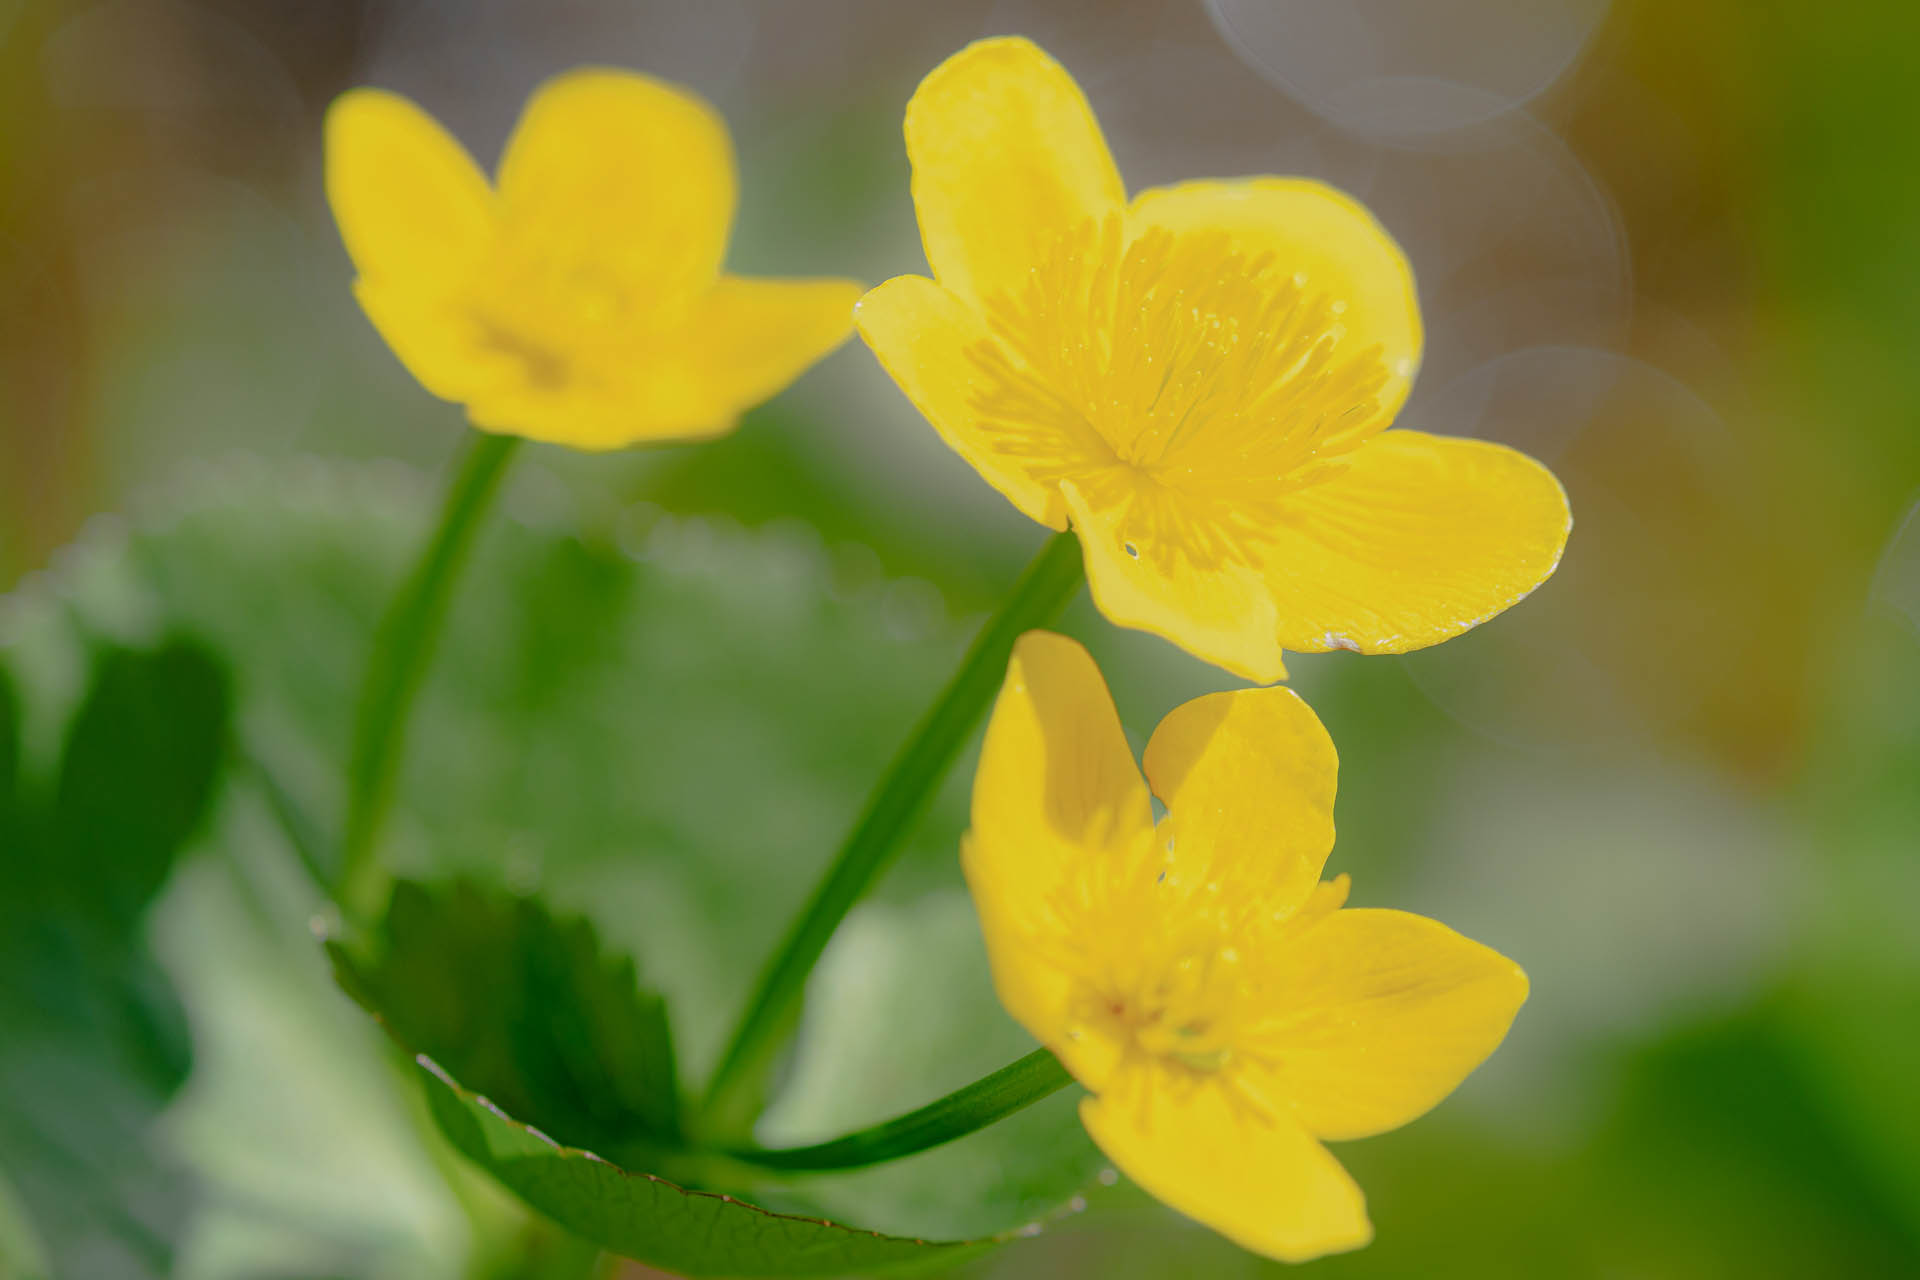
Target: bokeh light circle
(1513,243)
(1406,69)
(1597,654)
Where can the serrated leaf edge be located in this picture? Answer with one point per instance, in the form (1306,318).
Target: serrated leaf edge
(561,1149)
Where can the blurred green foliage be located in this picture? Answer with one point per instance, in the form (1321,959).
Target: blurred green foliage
(642,676)
(96,1041)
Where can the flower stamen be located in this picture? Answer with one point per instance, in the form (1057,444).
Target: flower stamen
(1175,378)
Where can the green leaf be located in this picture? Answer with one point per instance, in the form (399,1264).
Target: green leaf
(638,1215)
(669,734)
(96,1043)
(526,1009)
(139,768)
(666,731)
(536,1048)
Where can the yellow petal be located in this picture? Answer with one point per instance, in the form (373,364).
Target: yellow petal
(930,343)
(1006,157)
(1312,231)
(1248,779)
(748,337)
(1056,786)
(618,174)
(657,402)
(1260,1180)
(1378,1015)
(436,339)
(740,342)
(417,218)
(413,210)
(1223,614)
(1419,539)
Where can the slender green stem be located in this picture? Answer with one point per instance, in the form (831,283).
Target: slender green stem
(309,847)
(964,1111)
(735,1095)
(401,649)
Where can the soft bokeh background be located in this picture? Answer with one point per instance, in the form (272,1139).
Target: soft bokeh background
(1672,250)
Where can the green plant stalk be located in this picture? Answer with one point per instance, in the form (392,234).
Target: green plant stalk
(302,833)
(736,1093)
(967,1110)
(402,647)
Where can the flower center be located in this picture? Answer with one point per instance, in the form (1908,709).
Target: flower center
(1152,956)
(1184,1013)
(1178,378)
(562,317)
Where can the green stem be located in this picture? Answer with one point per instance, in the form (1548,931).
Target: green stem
(401,648)
(301,832)
(735,1095)
(989,1099)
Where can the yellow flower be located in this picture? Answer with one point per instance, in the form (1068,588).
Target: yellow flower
(1201,379)
(1198,977)
(579,298)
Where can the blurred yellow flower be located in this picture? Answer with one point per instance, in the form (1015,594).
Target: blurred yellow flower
(1200,379)
(1199,978)
(579,299)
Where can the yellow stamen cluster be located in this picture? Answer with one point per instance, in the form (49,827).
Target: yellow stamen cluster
(1157,955)
(1178,378)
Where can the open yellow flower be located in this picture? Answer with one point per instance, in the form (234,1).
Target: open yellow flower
(1199,978)
(1201,379)
(579,299)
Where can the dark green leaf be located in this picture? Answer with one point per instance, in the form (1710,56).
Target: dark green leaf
(638,1215)
(526,1009)
(138,770)
(537,1048)
(96,1043)
(9,750)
